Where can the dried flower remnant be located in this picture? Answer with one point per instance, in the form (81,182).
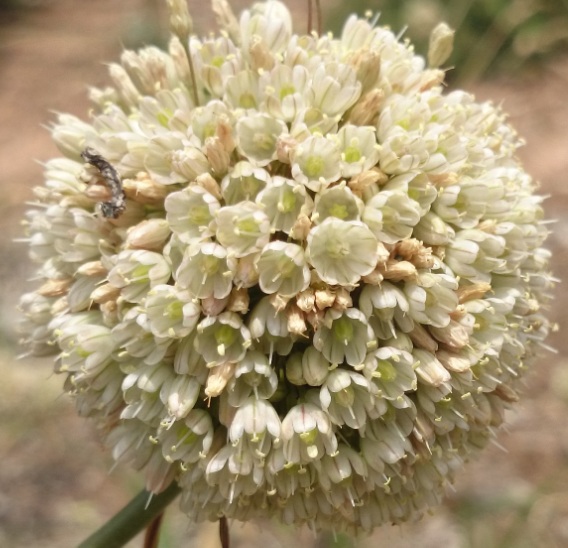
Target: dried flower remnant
(320,284)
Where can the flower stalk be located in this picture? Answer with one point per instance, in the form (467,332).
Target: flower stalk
(138,514)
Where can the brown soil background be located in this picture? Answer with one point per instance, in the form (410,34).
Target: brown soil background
(55,486)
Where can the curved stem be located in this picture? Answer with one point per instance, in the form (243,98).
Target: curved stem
(132,519)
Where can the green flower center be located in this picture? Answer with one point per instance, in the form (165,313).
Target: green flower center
(336,249)
(164,117)
(352,154)
(287,201)
(287,89)
(199,215)
(343,330)
(345,397)
(209,265)
(263,141)
(174,310)
(140,273)
(225,335)
(309,437)
(386,371)
(218,61)
(339,211)
(247,100)
(246,226)
(249,186)
(313,167)
(286,267)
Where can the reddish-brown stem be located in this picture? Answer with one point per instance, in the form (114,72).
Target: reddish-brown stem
(224,532)
(152,535)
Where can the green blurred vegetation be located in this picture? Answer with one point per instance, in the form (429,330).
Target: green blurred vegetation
(493,36)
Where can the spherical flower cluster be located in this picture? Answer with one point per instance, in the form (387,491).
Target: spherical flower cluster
(324,285)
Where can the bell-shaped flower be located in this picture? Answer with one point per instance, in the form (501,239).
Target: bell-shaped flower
(191,213)
(270,21)
(207,271)
(474,254)
(214,60)
(283,91)
(432,299)
(257,137)
(253,376)
(282,269)
(462,205)
(136,272)
(242,229)
(179,393)
(269,327)
(188,440)
(171,312)
(342,251)
(255,418)
(243,183)
(359,149)
(339,202)
(284,200)
(241,90)
(222,339)
(315,162)
(418,187)
(391,216)
(386,442)
(307,434)
(392,372)
(348,397)
(334,89)
(85,347)
(344,336)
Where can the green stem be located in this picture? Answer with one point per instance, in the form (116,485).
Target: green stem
(132,519)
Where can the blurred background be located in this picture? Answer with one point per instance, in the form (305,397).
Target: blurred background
(55,484)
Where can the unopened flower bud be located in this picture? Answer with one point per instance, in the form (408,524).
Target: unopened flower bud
(441,45)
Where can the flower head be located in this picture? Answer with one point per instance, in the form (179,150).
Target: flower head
(326,283)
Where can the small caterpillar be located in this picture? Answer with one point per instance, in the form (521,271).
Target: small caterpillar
(117,204)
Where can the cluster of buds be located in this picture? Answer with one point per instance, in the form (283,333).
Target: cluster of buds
(320,281)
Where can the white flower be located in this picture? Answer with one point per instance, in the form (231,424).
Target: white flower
(391,215)
(257,136)
(191,212)
(243,183)
(242,229)
(254,417)
(316,162)
(136,272)
(189,440)
(359,150)
(339,202)
(283,201)
(282,268)
(222,339)
(207,271)
(348,398)
(171,313)
(342,251)
(307,434)
(325,284)
(344,336)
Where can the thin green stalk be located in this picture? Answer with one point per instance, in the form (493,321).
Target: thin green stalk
(132,519)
